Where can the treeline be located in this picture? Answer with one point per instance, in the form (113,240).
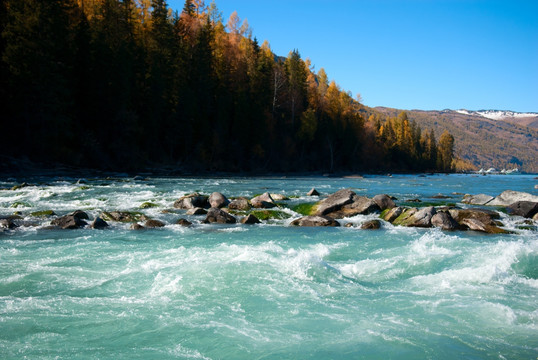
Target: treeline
(126,84)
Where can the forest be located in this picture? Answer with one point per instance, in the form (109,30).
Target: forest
(131,84)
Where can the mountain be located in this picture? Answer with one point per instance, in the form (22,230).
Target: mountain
(485,138)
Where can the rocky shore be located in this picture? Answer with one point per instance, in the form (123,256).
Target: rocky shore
(479,212)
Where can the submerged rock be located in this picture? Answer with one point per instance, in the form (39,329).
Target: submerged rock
(216,215)
(69,222)
(152,223)
(371,225)
(315,220)
(183,222)
(123,216)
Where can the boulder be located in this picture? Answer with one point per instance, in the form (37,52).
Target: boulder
(183,222)
(137,226)
(421,218)
(371,225)
(480,199)
(477,225)
(527,209)
(360,205)
(312,192)
(315,220)
(535,217)
(478,219)
(217,200)
(191,201)
(250,219)
(384,202)
(152,223)
(197,211)
(444,221)
(80,214)
(216,215)
(263,201)
(241,203)
(509,197)
(279,197)
(68,222)
(335,201)
(98,223)
(392,214)
(485,216)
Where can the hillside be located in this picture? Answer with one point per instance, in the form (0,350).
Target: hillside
(499,139)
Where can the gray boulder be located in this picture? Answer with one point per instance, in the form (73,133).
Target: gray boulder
(250,219)
(315,220)
(191,201)
(527,209)
(98,223)
(7,223)
(217,200)
(384,202)
(241,203)
(422,218)
(509,197)
(480,199)
(279,197)
(216,215)
(444,221)
(263,201)
(360,205)
(335,201)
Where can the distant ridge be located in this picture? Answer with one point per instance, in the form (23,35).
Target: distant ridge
(502,139)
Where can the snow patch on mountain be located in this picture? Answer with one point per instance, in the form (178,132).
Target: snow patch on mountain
(497,114)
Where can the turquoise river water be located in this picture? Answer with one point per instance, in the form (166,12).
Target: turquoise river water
(267,291)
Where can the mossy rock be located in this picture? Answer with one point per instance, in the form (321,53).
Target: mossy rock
(404,216)
(83,187)
(18,204)
(270,214)
(305,208)
(43,213)
(123,216)
(148,205)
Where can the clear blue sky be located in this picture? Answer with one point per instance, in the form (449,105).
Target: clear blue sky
(409,54)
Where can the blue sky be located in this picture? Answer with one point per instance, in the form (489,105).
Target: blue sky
(409,54)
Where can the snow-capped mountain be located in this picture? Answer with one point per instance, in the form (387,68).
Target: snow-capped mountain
(498,114)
